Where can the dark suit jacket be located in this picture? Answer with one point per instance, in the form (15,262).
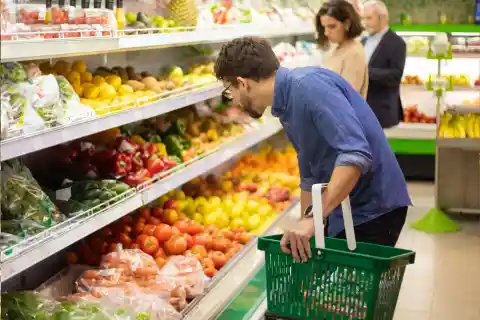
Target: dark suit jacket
(385,71)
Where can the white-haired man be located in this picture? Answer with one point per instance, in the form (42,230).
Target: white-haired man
(386,53)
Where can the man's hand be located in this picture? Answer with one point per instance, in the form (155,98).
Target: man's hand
(298,238)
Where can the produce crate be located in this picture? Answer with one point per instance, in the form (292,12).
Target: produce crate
(335,283)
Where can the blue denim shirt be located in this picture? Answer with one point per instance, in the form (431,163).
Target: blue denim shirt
(331,125)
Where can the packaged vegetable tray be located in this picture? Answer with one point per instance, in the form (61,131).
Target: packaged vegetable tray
(343,280)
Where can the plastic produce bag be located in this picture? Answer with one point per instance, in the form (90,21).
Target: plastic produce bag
(23,199)
(187,272)
(26,305)
(92,193)
(74,110)
(21,117)
(12,72)
(43,95)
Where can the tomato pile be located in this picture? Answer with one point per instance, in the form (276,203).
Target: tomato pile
(162,233)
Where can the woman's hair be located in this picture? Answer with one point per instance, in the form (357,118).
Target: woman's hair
(342,11)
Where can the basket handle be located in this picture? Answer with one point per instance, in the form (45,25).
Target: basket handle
(317,209)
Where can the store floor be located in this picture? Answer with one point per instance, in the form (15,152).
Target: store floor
(444,282)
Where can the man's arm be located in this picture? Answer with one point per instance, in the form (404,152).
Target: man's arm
(336,121)
(391,75)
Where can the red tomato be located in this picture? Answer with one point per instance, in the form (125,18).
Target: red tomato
(134,246)
(207,263)
(219,259)
(228,234)
(125,240)
(127,229)
(239,230)
(221,244)
(160,253)
(210,272)
(163,232)
(149,229)
(106,232)
(182,226)
(202,252)
(211,229)
(190,242)
(160,261)
(203,239)
(176,245)
(154,221)
(144,212)
(149,245)
(157,212)
(195,228)
(175,230)
(127,219)
(141,238)
(139,226)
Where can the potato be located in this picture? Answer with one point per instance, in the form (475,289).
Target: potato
(136,85)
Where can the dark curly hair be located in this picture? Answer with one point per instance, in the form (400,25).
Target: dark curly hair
(342,11)
(247,57)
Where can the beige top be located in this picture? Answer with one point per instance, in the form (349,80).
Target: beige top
(351,63)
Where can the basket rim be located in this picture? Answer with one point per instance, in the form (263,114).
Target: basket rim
(403,253)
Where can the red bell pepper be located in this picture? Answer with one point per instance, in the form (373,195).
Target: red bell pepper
(137,161)
(122,165)
(136,178)
(105,160)
(169,162)
(155,165)
(127,146)
(151,148)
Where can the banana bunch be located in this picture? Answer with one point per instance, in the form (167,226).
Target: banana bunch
(459,126)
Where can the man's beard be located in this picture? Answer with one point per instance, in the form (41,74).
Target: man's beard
(247,105)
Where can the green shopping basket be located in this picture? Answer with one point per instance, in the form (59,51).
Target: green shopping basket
(336,283)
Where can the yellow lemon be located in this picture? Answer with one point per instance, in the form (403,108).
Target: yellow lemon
(74,77)
(79,66)
(114,81)
(107,92)
(85,77)
(98,80)
(125,89)
(61,67)
(78,89)
(91,92)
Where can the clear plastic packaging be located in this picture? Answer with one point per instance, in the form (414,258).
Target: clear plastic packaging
(22,197)
(187,272)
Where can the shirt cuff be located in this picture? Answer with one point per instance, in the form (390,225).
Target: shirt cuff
(306,184)
(355,159)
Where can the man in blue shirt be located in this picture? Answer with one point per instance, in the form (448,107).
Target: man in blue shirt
(337,138)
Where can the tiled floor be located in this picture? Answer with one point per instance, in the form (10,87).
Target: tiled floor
(444,282)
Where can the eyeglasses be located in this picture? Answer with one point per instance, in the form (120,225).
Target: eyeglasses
(227,93)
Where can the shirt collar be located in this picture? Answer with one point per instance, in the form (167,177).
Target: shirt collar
(380,34)
(279,105)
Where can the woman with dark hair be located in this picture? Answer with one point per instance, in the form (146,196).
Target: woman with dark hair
(338,25)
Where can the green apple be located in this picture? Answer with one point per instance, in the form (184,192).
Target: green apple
(252,206)
(237,210)
(222,221)
(237,223)
(264,210)
(175,72)
(197,217)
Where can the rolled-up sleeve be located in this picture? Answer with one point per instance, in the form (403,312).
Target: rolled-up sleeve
(336,121)
(306,178)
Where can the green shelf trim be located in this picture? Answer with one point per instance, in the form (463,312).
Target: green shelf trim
(436,28)
(413,147)
(248,300)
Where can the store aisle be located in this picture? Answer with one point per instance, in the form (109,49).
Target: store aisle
(444,282)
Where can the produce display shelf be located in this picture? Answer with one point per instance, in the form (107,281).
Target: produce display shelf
(236,276)
(472,144)
(414,131)
(34,250)
(451,28)
(17,146)
(17,50)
